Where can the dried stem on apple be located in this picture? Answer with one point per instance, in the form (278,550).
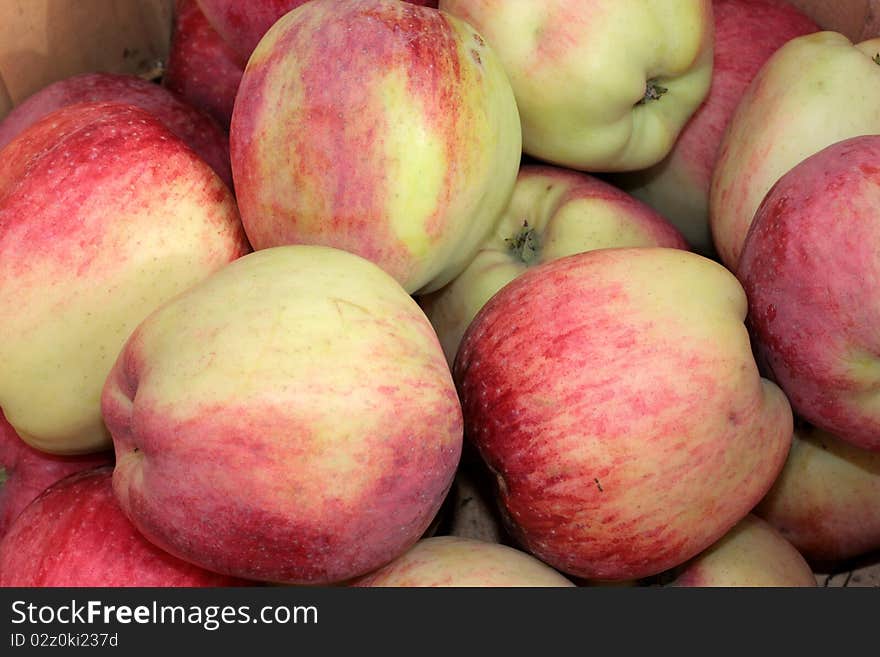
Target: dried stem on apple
(653,91)
(525,245)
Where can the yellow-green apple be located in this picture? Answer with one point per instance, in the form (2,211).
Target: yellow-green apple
(202,68)
(552,213)
(104,214)
(377,127)
(810,269)
(455,561)
(291,419)
(751,554)
(198,130)
(26,472)
(601,85)
(825,500)
(242,25)
(614,395)
(74,534)
(747,32)
(815,90)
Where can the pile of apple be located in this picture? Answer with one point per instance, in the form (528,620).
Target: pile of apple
(620,259)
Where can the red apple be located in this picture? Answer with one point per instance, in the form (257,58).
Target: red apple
(809,266)
(292,419)
(202,68)
(825,500)
(104,215)
(747,32)
(376,127)
(26,472)
(75,534)
(615,396)
(751,554)
(195,128)
(243,24)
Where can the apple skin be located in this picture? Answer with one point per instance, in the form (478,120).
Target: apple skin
(291,419)
(104,215)
(445,561)
(26,472)
(747,33)
(242,25)
(406,156)
(202,68)
(198,130)
(752,554)
(825,500)
(814,91)
(580,71)
(75,535)
(615,396)
(566,212)
(810,271)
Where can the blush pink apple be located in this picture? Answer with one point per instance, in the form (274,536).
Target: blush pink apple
(75,535)
(825,500)
(552,213)
(202,68)
(464,562)
(198,130)
(376,127)
(242,25)
(615,397)
(104,215)
(810,268)
(26,472)
(752,554)
(291,419)
(747,32)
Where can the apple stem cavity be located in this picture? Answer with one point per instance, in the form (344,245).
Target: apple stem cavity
(876,58)
(525,246)
(653,91)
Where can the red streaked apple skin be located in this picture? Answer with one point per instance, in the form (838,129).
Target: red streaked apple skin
(27,472)
(198,130)
(810,269)
(75,535)
(406,155)
(615,396)
(104,215)
(753,553)
(825,499)
(243,24)
(291,420)
(202,68)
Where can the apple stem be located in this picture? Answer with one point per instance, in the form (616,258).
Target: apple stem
(525,245)
(876,58)
(653,91)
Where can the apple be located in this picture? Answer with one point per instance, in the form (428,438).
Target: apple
(810,271)
(75,535)
(601,85)
(825,500)
(242,25)
(751,554)
(202,68)
(104,215)
(405,154)
(198,130)
(26,472)
(815,90)
(614,395)
(454,561)
(290,419)
(747,32)
(553,213)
